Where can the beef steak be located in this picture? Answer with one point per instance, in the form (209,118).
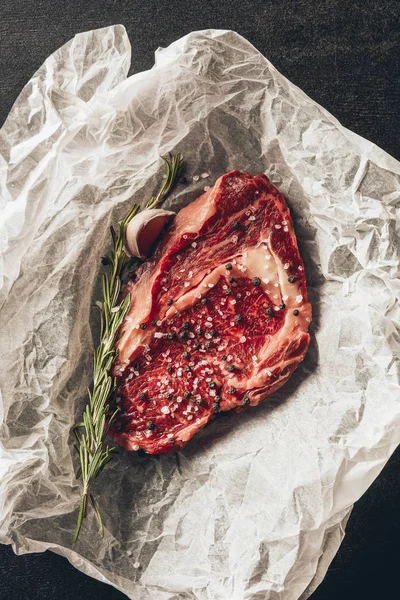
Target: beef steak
(218,318)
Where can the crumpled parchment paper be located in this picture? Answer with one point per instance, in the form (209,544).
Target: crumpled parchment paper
(256,505)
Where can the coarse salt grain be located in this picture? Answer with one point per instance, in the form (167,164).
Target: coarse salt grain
(210,285)
(186,284)
(268,256)
(252,218)
(196,178)
(242,339)
(300,268)
(158,335)
(285,297)
(278,226)
(206,188)
(204,175)
(194,244)
(299,298)
(165,410)
(286,266)
(286,229)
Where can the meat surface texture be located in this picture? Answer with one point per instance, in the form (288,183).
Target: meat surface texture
(218,318)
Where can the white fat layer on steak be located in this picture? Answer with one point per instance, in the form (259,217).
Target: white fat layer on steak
(257,261)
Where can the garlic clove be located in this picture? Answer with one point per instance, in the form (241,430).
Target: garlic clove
(143,230)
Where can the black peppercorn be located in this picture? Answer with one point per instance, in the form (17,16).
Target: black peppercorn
(235,224)
(187,369)
(212,385)
(270,311)
(291,279)
(238,318)
(186,355)
(168,396)
(215,407)
(231,368)
(208,344)
(213,333)
(204,300)
(169,369)
(196,347)
(256,281)
(187,394)
(228,293)
(245,401)
(224,357)
(143,326)
(153,323)
(282,306)
(232,390)
(296,312)
(231,280)
(169,301)
(142,396)
(228,267)
(105,260)
(150,425)
(170,335)
(186,325)
(183,335)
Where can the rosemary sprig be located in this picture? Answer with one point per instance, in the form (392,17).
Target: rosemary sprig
(91,433)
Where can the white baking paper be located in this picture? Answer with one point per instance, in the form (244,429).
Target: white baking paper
(255,506)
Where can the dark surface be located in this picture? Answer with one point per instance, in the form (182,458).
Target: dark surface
(344,54)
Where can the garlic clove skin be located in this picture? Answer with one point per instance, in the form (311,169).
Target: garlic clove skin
(143,230)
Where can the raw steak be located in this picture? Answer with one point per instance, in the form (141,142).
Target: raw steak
(218,319)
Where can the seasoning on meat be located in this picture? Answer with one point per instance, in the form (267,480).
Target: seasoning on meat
(226,288)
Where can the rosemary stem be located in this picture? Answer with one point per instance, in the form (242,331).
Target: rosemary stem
(99,415)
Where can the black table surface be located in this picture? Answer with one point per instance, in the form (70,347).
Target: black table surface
(345,55)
